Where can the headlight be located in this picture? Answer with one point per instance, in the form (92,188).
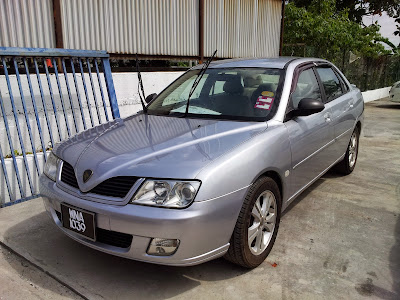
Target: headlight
(166,193)
(50,168)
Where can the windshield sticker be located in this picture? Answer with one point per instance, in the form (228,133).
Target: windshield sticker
(268,94)
(264,102)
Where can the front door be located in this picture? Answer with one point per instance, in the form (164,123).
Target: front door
(311,137)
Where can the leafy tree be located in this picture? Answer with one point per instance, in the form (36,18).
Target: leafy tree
(358,8)
(330,32)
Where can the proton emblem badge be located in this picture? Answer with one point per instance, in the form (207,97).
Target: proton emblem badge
(86,175)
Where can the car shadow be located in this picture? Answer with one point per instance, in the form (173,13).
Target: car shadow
(390,106)
(96,274)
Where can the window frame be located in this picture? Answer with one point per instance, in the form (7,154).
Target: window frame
(296,74)
(345,88)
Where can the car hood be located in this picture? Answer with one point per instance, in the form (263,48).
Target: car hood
(152,146)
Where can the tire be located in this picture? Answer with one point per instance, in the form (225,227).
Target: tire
(347,165)
(251,254)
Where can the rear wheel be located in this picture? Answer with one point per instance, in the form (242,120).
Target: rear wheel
(257,225)
(347,165)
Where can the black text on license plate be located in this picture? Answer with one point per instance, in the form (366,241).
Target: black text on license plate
(78,220)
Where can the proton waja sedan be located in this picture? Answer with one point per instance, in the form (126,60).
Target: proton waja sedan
(209,165)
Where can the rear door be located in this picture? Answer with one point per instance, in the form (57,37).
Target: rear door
(311,137)
(341,101)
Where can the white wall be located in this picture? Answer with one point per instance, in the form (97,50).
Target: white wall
(126,88)
(376,94)
(4,196)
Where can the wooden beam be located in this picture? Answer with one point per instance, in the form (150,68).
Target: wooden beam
(201,31)
(282,28)
(58,24)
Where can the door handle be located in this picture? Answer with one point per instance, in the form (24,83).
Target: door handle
(327,117)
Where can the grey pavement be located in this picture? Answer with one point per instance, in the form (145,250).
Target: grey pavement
(339,240)
(21,280)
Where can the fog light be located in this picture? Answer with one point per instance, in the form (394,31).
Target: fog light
(162,247)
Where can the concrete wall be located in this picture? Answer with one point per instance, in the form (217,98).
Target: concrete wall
(376,94)
(126,88)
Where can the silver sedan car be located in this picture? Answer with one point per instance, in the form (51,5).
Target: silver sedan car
(209,165)
(394,93)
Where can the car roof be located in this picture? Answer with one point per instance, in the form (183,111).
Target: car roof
(274,63)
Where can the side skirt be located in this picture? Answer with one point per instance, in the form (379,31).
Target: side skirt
(312,181)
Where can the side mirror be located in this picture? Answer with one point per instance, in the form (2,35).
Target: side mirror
(150,97)
(308,106)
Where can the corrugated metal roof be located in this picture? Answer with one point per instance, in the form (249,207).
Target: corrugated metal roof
(237,28)
(132,26)
(242,28)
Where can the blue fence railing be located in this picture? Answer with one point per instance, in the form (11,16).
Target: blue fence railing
(47,95)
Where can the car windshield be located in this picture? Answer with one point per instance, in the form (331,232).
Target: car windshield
(237,93)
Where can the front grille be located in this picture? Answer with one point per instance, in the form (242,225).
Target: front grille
(68,175)
(58,215)
(108,237)
(113,187)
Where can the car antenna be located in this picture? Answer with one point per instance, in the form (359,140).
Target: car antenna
(197,80)
(141,93)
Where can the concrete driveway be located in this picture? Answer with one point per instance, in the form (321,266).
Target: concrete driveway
(339,240)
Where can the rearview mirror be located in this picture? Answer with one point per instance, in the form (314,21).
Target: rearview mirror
(150,97)
(308,106)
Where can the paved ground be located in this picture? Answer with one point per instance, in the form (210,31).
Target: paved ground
(21,280)
(339,240)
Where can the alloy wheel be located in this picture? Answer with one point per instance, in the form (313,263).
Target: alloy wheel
(353,147)
(262,222)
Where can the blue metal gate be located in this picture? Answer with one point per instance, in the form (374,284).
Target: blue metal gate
(47,95)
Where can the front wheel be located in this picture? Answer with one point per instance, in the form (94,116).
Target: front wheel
(257,225)
(347,165)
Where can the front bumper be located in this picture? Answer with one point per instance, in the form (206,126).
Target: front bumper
(204,228)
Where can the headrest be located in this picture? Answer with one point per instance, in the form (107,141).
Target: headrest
(252,81)
(233,85)
(265,87)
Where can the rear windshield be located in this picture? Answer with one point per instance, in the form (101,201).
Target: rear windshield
(237,93)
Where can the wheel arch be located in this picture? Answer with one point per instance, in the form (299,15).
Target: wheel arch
(358,126)
(276,177)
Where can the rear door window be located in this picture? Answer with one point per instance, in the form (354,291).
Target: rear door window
(331,83)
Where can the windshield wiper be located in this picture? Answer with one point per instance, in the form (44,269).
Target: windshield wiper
(141,93)
(197,80)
